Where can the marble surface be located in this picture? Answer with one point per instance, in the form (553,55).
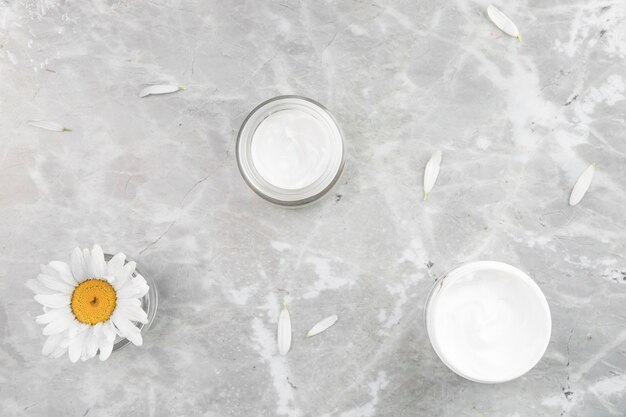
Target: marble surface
(157,179)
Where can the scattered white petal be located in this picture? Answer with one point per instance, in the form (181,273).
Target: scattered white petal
(503,23)
(12,57)
(322,325)
(582,185)
(42,124)
(160,89)
(431,172)
(284,331)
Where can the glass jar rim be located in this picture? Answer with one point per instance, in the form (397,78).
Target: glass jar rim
(268,191)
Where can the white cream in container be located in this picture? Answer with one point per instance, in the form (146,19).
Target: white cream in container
(290,150)
(488,321)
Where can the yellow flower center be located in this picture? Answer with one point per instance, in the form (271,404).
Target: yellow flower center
(93,301)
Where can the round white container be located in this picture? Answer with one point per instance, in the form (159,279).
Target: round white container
(488,321)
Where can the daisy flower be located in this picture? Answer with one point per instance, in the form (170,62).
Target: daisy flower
(88,303)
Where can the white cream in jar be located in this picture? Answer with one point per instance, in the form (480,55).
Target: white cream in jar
(488,321)
(290,150)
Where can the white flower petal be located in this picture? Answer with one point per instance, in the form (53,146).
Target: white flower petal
(48,270)
(97,261)
(59,324)
(64,272)
(78,265)
(53,300)
(62,348)
(108,330)
(59,352)
(77,344)
(322,325)
(124,274)
(134,288)
(92,342)
(99,337)
(284,331)
(115,264)
(127,329)
(141,286)
(88,265)
(12,57)
(97,329)
(110,279)
(106,340)
(160,89)
(132,313)
(38,288)
(84,355)
(52,343)
(74,330)
(431,173)
(126,292)
(502,21)
(55,284)
(582,185)
(50,316)
(105,348)
(129,268)
(129,302)
(43,124)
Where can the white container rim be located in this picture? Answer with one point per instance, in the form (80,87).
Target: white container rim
(466,268)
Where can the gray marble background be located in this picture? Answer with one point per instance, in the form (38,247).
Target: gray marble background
(157,179)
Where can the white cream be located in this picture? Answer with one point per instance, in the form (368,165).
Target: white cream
(292,149)
(488,321)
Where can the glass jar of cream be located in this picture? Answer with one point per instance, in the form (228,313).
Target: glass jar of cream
(290,150)
(488,321)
